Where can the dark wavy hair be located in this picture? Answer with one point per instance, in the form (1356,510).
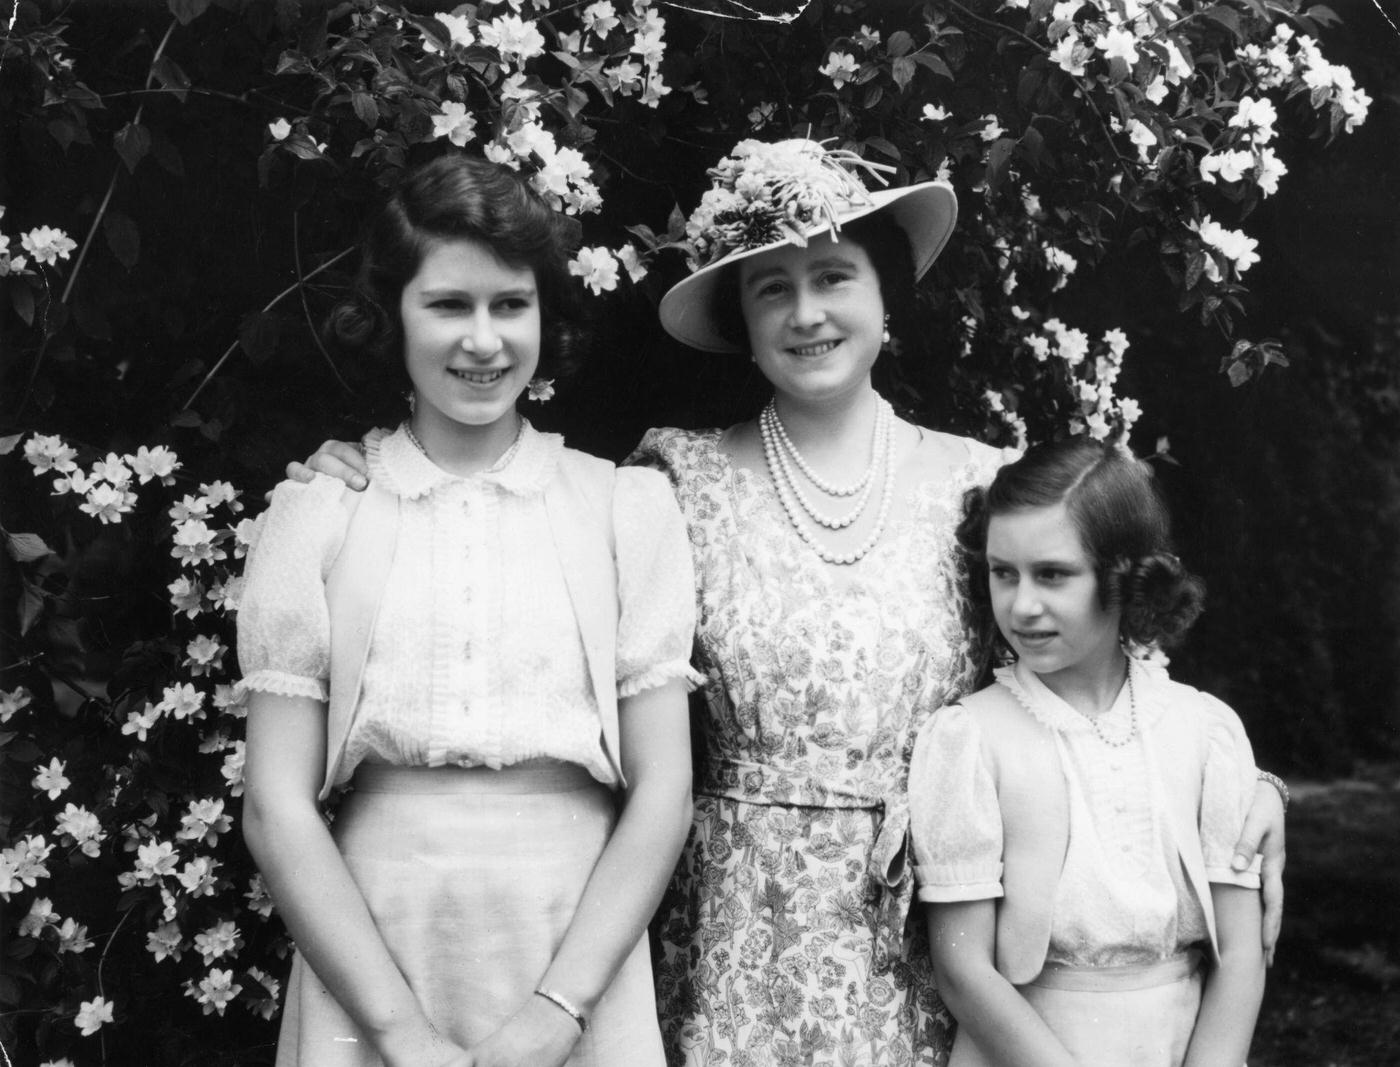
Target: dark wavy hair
(458,196)
(881,238)
(1122,521)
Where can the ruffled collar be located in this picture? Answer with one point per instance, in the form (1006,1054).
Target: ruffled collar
(395,461)
(1049,710)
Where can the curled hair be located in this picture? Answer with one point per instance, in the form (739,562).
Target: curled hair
(453,197)
(1122,522)
(880,237)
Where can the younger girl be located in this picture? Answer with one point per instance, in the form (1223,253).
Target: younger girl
(1094,796)
(491,647)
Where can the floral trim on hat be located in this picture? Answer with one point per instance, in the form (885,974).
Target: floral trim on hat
(765,193)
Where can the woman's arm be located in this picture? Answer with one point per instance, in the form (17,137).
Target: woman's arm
(624,889)
(1234,989)
(339,459)
(1263,833)
(313,890)
(962,939)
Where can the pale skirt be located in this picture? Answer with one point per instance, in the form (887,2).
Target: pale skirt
(1130,1016)
(472,877)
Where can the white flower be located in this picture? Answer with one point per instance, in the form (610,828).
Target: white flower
(762,114)
(1230,166)
(994,400)
(459,32)
(112,469)
(232,769)
(187,596)
(158,462)
(501,155)
(840,67)
(1073,346)
(165,941)
(14,701)
(138,722)
(631,261)
(214,991)
(1268,169)
(49,453)
(513,38)
(531,137)
(1256,116)
(204,655)
(1118,44)
(651,46)
(656,88)
(72,937)
(1178,67)
(625,77)
(204,821)
(267,1006)
(1155,90)
(217,493)
(1065,10)
(1097,426)
(217,941)
(599,18)
(934,113)
(992,130)
(1141,135)
(47,245)
(1070,55)
(1117,342)
(279,129)
(1062,263)
(190,507)
(108,503)
(259,903)
(92,1014)
(597,267)
(51,779)
(455,123)
(1129,410)
(224,595)
(83,827)
(1234,245)
(182,701)
(41,914)
(22,864)
(197,876)
(155,860)
(1040,347)
(194,543)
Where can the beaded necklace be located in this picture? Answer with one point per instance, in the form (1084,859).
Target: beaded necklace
(1132,719)
(776,449)
(499,465)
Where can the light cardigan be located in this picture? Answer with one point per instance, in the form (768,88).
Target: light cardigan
(577,495)
(1019,745)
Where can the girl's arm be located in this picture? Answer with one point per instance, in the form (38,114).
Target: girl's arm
(625,888)
(1263,832)
(313,890)
(1234,989)
(962,939)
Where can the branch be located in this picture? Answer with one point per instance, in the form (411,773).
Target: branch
(266,308)
(306,307)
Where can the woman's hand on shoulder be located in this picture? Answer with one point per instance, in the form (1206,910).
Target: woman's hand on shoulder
(540,1034)
(339,459)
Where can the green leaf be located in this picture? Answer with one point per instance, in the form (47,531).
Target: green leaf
(1238,372)
(884,147)
(123,238)
(934,63)
(171,77)
(22,300)
(1223,15)
(258,335)
(901,43)
(902,71)
(997,159)
(1195,267)
(63,131)
(187,10)
(132,142)
(26,547)
(10,443)
(30,608)
(1322,15)
(365,108)
(186,419)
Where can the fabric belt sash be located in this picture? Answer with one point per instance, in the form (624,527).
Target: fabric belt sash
(1126,977)
(889,870)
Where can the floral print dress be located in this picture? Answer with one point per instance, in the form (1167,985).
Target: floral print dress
(783,936)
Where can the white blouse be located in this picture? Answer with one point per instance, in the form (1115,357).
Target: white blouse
(1122,897)
(476,658)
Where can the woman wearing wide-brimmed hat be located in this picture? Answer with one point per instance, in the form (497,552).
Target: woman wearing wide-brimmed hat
(830,622)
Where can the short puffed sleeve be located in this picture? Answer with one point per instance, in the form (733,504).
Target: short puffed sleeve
(1227,790)
(283,624)
(954,818)
(656,585)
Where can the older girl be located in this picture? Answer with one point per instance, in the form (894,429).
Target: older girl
(1075,822)
(490,649)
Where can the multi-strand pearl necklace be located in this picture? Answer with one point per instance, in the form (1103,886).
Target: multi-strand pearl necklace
(778,450)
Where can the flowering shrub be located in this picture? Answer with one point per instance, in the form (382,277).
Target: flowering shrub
(1078,134)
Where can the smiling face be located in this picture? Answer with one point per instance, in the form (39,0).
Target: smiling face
(815,317)
(1045,596)
(471,337)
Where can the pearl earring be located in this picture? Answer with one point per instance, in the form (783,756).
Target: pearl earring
(885,337)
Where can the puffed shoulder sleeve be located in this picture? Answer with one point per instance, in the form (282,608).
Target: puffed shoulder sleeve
(1227,790)
(656,585)
(283,624)
(954,818)
(986,460)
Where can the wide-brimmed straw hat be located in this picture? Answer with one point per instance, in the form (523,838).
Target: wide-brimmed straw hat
(766,195)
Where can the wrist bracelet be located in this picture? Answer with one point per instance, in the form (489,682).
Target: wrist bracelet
(563,1005)
(1278,783)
